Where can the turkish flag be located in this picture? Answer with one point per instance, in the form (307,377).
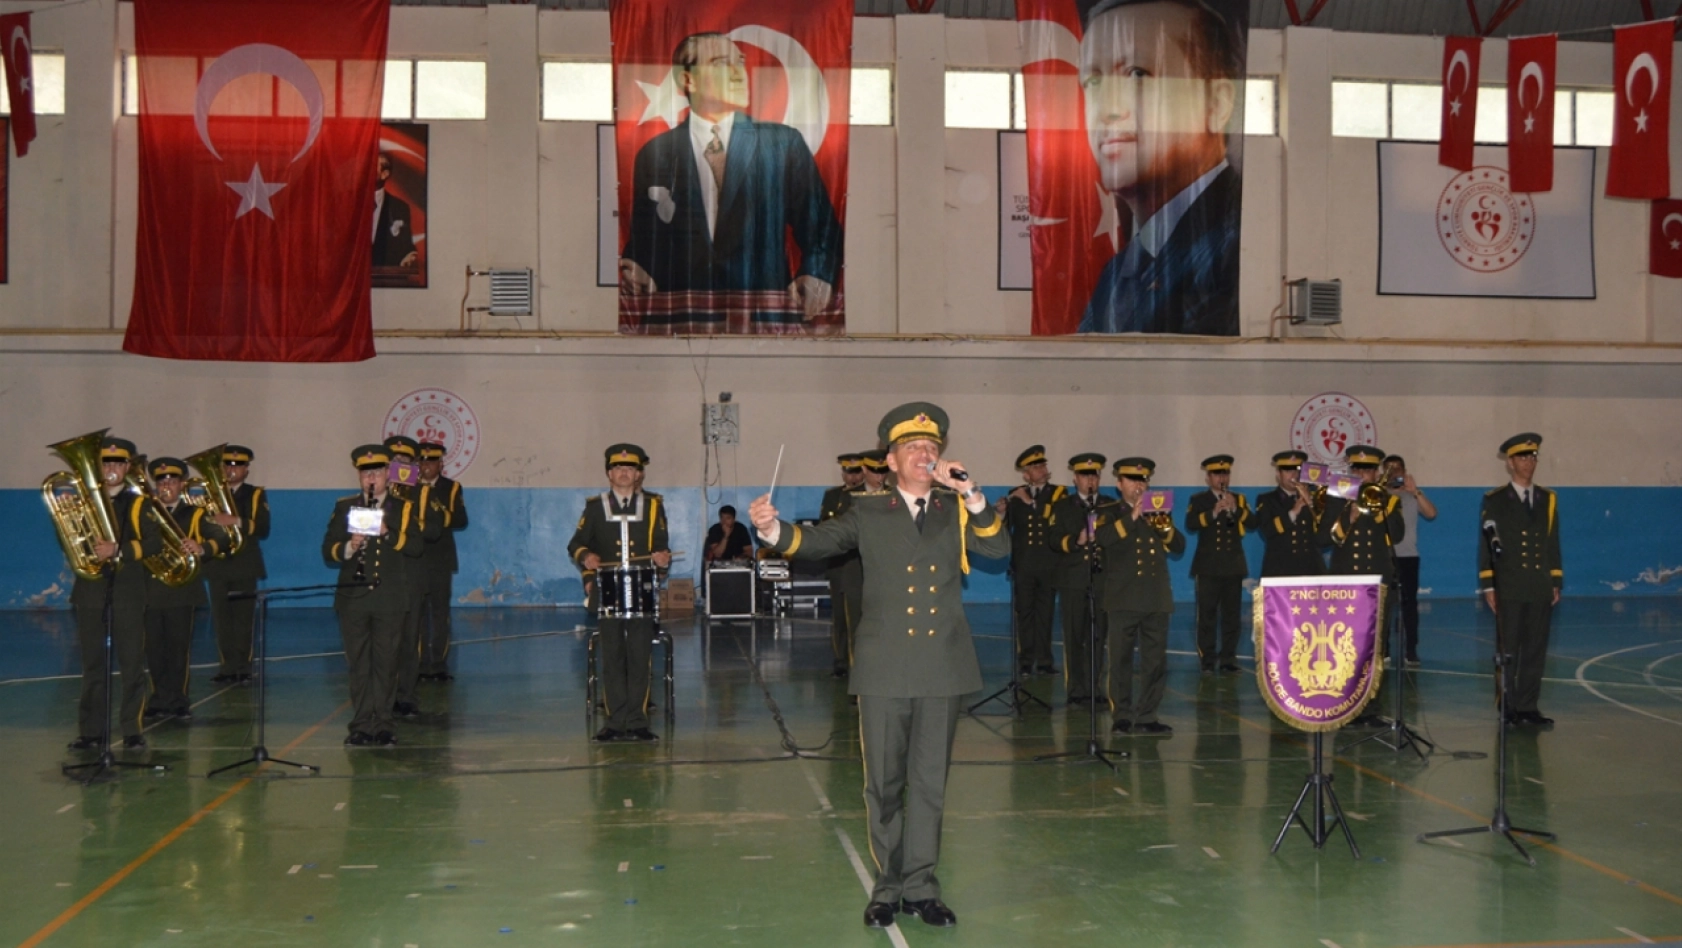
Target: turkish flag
(17,50)
(1073,226)
(1665,256)
(259,132)
(1530,113)
(1640,160)
(1460,101)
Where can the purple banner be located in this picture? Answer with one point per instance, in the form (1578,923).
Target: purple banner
(1317,641)
(1157,501)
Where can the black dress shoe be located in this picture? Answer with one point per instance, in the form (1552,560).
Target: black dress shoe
(1230,667)
(244,681)
(134,742)
(1049,670)
(153,714)
(359,739)
(183,714)
(1536,718)
(406,709)
(1208,669)
(931,911)
(1367,720)
(880,914)
(642,734)
(443,677)
(85,743)
(1121,727)
(1152,727)
(224,679)
(607,735)
(838,671)
(385,739)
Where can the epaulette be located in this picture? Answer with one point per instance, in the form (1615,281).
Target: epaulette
(649,493)
(1493,492)
(882,492)
(352,497)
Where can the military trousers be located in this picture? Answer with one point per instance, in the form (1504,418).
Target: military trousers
(1523,628)
(371,636)
(231,622)
(624,650)
(435,622)
(1148,631)
(1219,599)
(1084,629)
(907,746)
(1035,597)
(169,642)
(409,646)
(128,656)
(846,600)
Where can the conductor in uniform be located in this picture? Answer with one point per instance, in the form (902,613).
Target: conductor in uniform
(1138,597)
(1033,562)
(373,596)
(845,575)
(1522,583)
(1078,573)
(1218,518)
(1287,522)
(913,659)
(627,644)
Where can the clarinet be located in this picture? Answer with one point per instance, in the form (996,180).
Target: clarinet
(362,552)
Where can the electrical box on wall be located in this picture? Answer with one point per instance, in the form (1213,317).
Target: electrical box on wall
(720,423)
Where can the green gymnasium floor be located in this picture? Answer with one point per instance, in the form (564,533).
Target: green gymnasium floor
(497,823)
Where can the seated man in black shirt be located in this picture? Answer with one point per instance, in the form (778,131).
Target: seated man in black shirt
(728,539)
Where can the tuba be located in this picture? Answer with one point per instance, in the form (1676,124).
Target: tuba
(213,494)
(173,565)
(77,503)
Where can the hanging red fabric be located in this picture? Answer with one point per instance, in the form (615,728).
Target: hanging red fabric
(1460,101)
(1639,165)
(18,51)
(1530,113)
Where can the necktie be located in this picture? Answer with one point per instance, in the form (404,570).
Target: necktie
(714,154)
(1527,504)
(920,511)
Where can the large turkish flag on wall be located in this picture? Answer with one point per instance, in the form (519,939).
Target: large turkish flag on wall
(1530,112)
(259,131)
(1639,165)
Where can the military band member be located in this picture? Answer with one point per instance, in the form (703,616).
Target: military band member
(374,595)
(439,564)
(1079,573)
(627,644)
(232,620)
(1522,585)
(1363,540)
(1219,519)
(913,659)
(1287,522)
(123,587)
(845,575)
(1138,598)
(170,609)
(1033,562)
(875,468)
(432,518)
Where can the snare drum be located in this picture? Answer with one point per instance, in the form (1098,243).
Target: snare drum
(628,592)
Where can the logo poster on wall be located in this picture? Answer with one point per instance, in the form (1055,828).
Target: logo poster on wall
(1444,232)
(732,130)
(1135,157)
(440,416)
(1328,423)
(399,224)
(1316,647)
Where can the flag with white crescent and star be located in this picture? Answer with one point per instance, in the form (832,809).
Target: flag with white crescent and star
(732,131)
(1530,112)
(1461,55)
(1665,256)
(18,51)
(1639,164)
(259,133)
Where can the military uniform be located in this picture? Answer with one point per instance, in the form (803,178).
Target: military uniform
(913,658)
(1525,578)
(626,645)
(1292,544)
(1219,569)
(372,607)
(1079,569)
(124,583)
(1366,546)
(170,609)
(431,518)
(232,620)
(845,572)
(439,565)
(1034,565)
(1139,599)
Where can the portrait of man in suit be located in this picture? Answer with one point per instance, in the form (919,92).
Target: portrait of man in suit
(1161,86)
(715,200)
(394,239)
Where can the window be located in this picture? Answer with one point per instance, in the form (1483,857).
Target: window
(1361,109)
(1413,111)
(1594,118)
(1261,105)
(48,70)
(398,102)
(978,100)
(578,92)
(449,89)
(871,99)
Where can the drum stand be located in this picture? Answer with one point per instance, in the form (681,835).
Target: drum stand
(660,637)
(1019,696)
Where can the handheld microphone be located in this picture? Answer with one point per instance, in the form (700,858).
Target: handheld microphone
(1492,536)
(957,473)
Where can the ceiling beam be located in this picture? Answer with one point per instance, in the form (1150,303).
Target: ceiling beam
(1298,18)
(1472,8)
(1507,9)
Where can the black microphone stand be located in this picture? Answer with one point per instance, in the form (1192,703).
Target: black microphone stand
(105,767)
(1019,695)
(1094,750)
(1395,734)
(260,639)
(1498,822)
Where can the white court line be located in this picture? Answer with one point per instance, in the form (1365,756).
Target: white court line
(1650,673)
(1636,935)
(1591,689)
(894,934)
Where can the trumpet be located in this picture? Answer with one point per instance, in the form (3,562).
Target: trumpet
(174,565)
(76,501)
(1162,521)
(1373,499)
(213,494)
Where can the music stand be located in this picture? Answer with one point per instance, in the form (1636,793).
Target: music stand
(260,640)
(1019,695)
(1093,750)
(105,767)
(1396,734)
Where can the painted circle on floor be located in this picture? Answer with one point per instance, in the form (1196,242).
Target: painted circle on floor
(440,415)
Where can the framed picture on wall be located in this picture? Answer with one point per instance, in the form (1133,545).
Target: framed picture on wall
(399,224)
(5,195)
(1016,254)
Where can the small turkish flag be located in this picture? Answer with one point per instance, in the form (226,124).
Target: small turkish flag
(18,51)
(1530,113)
(1640,160)
(1460,101)
(1665,255)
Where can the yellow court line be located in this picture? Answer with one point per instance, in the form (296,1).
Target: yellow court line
(1551,847)
(81,904)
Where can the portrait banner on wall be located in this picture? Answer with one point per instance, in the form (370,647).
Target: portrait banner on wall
(607,208)
(1317,647)
(1443,232)
(731,133)
(1016,237)
(399,225)
(1135,163)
